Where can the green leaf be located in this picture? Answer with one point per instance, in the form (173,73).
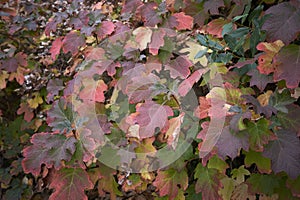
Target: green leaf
(263,184)
(291,119)
(60,116)
(263,164)
(191,194)
(106,181)
(217,163)
(259,134)
(228,187)
(294,186)
(208,182)
(280,100)
(239,174)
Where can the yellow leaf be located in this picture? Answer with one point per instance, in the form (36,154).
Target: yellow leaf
(3,78)
(193,49)
(34,103)
(264,98)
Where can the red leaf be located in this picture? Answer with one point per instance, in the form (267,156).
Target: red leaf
(22,59)
(72,41)
(28,114)
(70,183)
(49,149)
(157,41)
(94,53)
(55,48)
(11,64)
(51,25)
(288,65)
(130,6)
(54,21)
(106,28)
(93,91)
(179,67)
(149,14)
(195,9)
(186,85)
(141,88)
(282,23)
(184,21)
(167,182)
(202,110)
(266,64)
(215,27)
(150,116)
(213,6)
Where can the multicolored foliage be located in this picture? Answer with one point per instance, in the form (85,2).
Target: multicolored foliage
(175,99)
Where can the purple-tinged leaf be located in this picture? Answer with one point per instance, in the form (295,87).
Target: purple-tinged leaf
(70,183)
(72,41)
(283,22)
(258,79)
(288,65)
(179,67)
(230,144)
(49,149)
(53,88)
(285,153)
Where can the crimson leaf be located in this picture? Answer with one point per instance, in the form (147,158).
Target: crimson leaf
(49,149)
(70,183)
(106,28)
(55,48)
(72,41)
(151,115)
(184,21)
